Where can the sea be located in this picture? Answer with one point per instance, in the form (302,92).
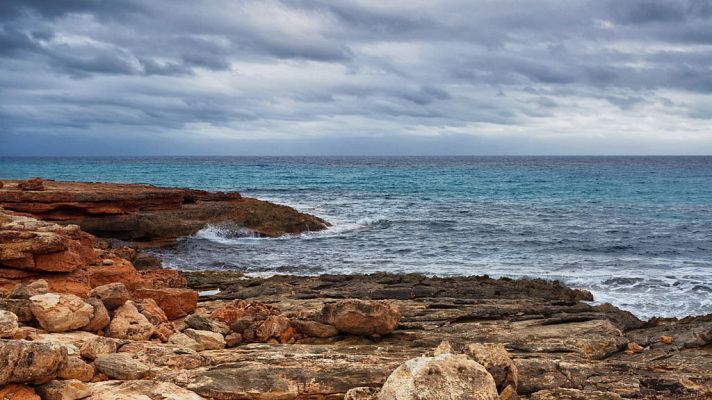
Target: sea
(635,231)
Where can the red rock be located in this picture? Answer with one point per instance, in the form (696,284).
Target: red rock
(18,392)
(35,184)
(240,308)
(175,303)
(361,317)
(666,339)
(164,278)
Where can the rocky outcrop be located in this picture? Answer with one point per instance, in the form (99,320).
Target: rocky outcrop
(151,214)
(361,317)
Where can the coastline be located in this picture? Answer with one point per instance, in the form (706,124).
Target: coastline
(296,336)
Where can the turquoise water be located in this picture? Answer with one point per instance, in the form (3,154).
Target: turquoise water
(636,231)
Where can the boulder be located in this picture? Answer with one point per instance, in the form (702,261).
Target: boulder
(495,358)
(30,362)
(98,346)
(203,323)
(233,340)
(121,366)
(150,309)
(361,317)
(243,309)
(443,377)
(113,295)
(60,312)
(130,324)
(275,326)
(100,318)
(23,291)
(77,369)
(314,329)
(18,392)
(206,339)
(64,390)
(8,324)
(19,307)
(184,341)
(176,303)
(112,390)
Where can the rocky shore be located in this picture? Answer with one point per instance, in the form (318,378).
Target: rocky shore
(83,317)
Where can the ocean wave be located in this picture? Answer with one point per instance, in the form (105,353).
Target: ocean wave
(225,234)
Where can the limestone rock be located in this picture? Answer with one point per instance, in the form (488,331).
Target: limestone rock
(574,394)
(19,307)
(121,366)
(99,346)
(443,377)
(275,326)
(23,291)
(113,295)
(164,331)
(243,309)
(60,312)
(203,323)
(206,339)
(77,369)
(175,303)
(233,340)
(361,317)
(185,341)
(150,309)
(314,329)
(29,362)
(130,324)
(8,324)
(18,392)
(495,358)
(100,318)
(64,390)
(140,390)
(362,393)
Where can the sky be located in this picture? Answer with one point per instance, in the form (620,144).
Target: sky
(297,77)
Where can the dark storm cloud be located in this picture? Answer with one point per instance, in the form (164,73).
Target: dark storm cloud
(295,69)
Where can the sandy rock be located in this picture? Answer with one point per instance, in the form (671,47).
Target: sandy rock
(113,295)
(60,312)
(23,291)
(64,390)
(128,323)
(495,358)
(29,362)
(175,303)
(18,392)
(98,346)
(443,377)
(314,329)
(8,324)
(204,323)
(361,317)
(185,341)
(77,369)
(100,318)
(362,393)
(574,394)
(206,339)
(150,309)
(140,390)
(121,366)
(19,307)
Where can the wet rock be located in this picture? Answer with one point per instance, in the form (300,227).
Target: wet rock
(442,377)
(121,366)
(19,307)
(25,291)
(98,346)
(204,323)
(361,317)
(8,324)
(129,324)
(77,369)
(64,390)
(206,339)
(314,329)
(176,303)
(60,312)
(100,318)
(29,362)
(496,360)
(150,309)
(18,392)
(113,295)
(113,390)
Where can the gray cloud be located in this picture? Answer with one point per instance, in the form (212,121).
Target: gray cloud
(502,71)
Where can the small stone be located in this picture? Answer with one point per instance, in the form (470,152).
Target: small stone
(121,366)
(60,312)
(666,339)
(19,307)
(8,324)
(107,261)
(64,390)
(233,339)
(633,348)
(203,323)
(93,348)
(128,323)
(361,317)
(113,295)
(314,329)
(206,339)
(100,319)
(77,369)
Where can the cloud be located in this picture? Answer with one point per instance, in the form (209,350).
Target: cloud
(554,75)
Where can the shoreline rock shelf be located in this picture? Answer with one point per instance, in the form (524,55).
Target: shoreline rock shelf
(79,320)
